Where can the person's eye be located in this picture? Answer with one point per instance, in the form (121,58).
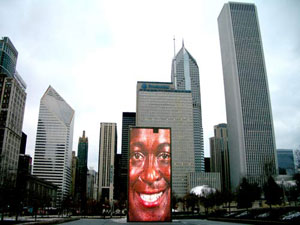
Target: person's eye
(138,156)
(164,156)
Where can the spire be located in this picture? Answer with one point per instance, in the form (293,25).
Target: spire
(174,46)
(182,42)
(83,139)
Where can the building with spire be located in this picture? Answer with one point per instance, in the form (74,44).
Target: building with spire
(82,170)
(12,106)
(54,138)
(185,76)
(251,136)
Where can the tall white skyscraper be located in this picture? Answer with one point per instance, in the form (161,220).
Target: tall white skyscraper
(160,105)
(185,76)
(252,149)
(54,138)
(106,161)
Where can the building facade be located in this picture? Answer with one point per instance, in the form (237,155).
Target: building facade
(249,117)
(82,170)
(207,164)
(160,105)
(8,57)
(185,76)
(128,119)
(106,163)
(73,174)
(286,162)
(54,138)
(219,154)
(297,159)
(211,179)
(12,105)
(91,185)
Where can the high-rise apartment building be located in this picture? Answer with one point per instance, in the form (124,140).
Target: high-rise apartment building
(12,105)
(249,117)
(54,138)
(286,162)
(106,163)
(219,154)
(185,76)
(82,169)
(128,120)
(160,105)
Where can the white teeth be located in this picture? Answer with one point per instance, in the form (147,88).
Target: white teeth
(151,197)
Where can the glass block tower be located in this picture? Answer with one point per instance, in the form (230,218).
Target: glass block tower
(185,76)
(248,107)
(53,146)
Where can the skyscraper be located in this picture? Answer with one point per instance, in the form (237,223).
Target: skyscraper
(82,169)
(91,185)
(286,162)
(128,119)
(73,174)
(219,154)
(106,163)
(248,106)
(160,105)
(54,138)
(12,105)
(8,57)
(185,76)
(297,160)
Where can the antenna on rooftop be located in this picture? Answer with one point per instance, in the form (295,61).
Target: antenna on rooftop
(174,46)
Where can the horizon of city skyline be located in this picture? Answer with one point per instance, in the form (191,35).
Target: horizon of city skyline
(43,66)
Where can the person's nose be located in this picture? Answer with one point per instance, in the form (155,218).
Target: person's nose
(151,172)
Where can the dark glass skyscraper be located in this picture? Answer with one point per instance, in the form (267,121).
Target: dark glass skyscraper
(249,117)
(82,169)
(8,57)
(185,76)
(128,119)
(286,161)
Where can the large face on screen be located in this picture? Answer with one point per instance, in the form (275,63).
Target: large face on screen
(149,192)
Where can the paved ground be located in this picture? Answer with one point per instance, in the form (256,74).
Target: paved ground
(123,221)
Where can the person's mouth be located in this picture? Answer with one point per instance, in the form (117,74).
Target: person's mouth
(151,198)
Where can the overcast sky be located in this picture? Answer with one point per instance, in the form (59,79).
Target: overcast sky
(93,52)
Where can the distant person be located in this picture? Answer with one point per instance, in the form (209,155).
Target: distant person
(149,193)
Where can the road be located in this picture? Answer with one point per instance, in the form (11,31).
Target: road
(123,221)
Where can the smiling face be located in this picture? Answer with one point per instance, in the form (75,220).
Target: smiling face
(149,175)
